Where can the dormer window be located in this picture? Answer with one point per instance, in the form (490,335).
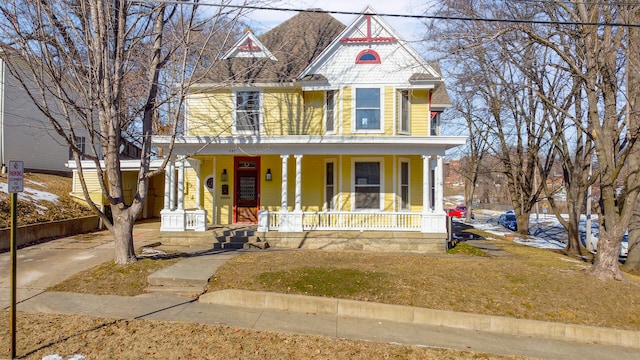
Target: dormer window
(368,57)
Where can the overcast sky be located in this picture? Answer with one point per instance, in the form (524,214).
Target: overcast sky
(409,29)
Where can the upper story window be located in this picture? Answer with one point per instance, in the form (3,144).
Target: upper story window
(80,144)
(403,126)
(330,111)
(367,114)
(247,111)
(435,123)
(368,57)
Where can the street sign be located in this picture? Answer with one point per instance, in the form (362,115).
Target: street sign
(16,177)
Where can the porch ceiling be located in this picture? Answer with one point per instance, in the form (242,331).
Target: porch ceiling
(313,145)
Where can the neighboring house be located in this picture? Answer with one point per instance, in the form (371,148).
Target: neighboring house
(313,126)
(130,169)
(25,133)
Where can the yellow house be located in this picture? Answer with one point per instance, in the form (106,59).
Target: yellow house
(313,126)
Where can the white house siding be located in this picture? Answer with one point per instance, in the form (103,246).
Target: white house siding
(26,134)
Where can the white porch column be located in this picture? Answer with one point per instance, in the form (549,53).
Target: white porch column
(298,207)
(426,181)
(167,187)
(173,219)
(433,220)
(285,184)
(172,185)
(181,185)
(439,185)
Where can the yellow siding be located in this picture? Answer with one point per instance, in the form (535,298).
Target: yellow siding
(314,112)
(155,196)
(313,189)
(346,107)
(190,201)
(224,203)
(283,112)
(419,112)
(93,186)
(270,190)
(210,113)
(415,183)
(389,110)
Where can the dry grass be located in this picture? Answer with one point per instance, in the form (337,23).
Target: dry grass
(113,279)
(43,211)
(530,283)
(99,338)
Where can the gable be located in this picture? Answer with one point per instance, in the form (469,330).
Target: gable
(248,46)
(292,45)
(370,51)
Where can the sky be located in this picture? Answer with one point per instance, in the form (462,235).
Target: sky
(409,29)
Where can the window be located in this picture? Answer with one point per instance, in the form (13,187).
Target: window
(367,109)
(435,123)
(329,186)
(368,57)
(329,106)
(80,144)
(367,185)
(404,111)
(247,111)
(404,185)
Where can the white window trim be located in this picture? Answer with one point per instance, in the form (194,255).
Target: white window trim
(379,160)
(437,124)
(234,100)
(353,110)
(408,130)
(400,162)
(335,111)
(335,185)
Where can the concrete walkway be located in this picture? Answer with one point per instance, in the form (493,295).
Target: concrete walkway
(42,265)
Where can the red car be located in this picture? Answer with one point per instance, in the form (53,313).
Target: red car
(463,211)
(454,213)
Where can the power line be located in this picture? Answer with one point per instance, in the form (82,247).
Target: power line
(407,16)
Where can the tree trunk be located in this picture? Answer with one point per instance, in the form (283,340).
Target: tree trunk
(632,264)
(606,266)
(122,232)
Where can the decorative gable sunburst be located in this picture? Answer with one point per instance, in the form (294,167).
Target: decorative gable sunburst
(249,46)
(370,33)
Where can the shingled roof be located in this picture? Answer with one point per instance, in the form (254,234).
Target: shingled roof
(294,43)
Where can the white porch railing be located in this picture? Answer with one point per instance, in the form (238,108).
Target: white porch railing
(344,220)
(181,220)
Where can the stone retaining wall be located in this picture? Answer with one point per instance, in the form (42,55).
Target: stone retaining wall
(30,233)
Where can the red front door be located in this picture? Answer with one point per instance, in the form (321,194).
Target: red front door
(247,190)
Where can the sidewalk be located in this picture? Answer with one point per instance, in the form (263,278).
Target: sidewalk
(46,264)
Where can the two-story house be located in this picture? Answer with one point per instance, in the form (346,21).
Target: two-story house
(313,126)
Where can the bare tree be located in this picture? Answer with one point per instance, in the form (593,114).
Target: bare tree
(602,49)
(94,68)
(595,60)
(490,58)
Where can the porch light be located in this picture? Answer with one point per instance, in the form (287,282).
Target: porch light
(223,176)
(267,176)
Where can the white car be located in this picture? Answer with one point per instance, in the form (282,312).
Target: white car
(624,244)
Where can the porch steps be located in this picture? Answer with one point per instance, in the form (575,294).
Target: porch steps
(238,238)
